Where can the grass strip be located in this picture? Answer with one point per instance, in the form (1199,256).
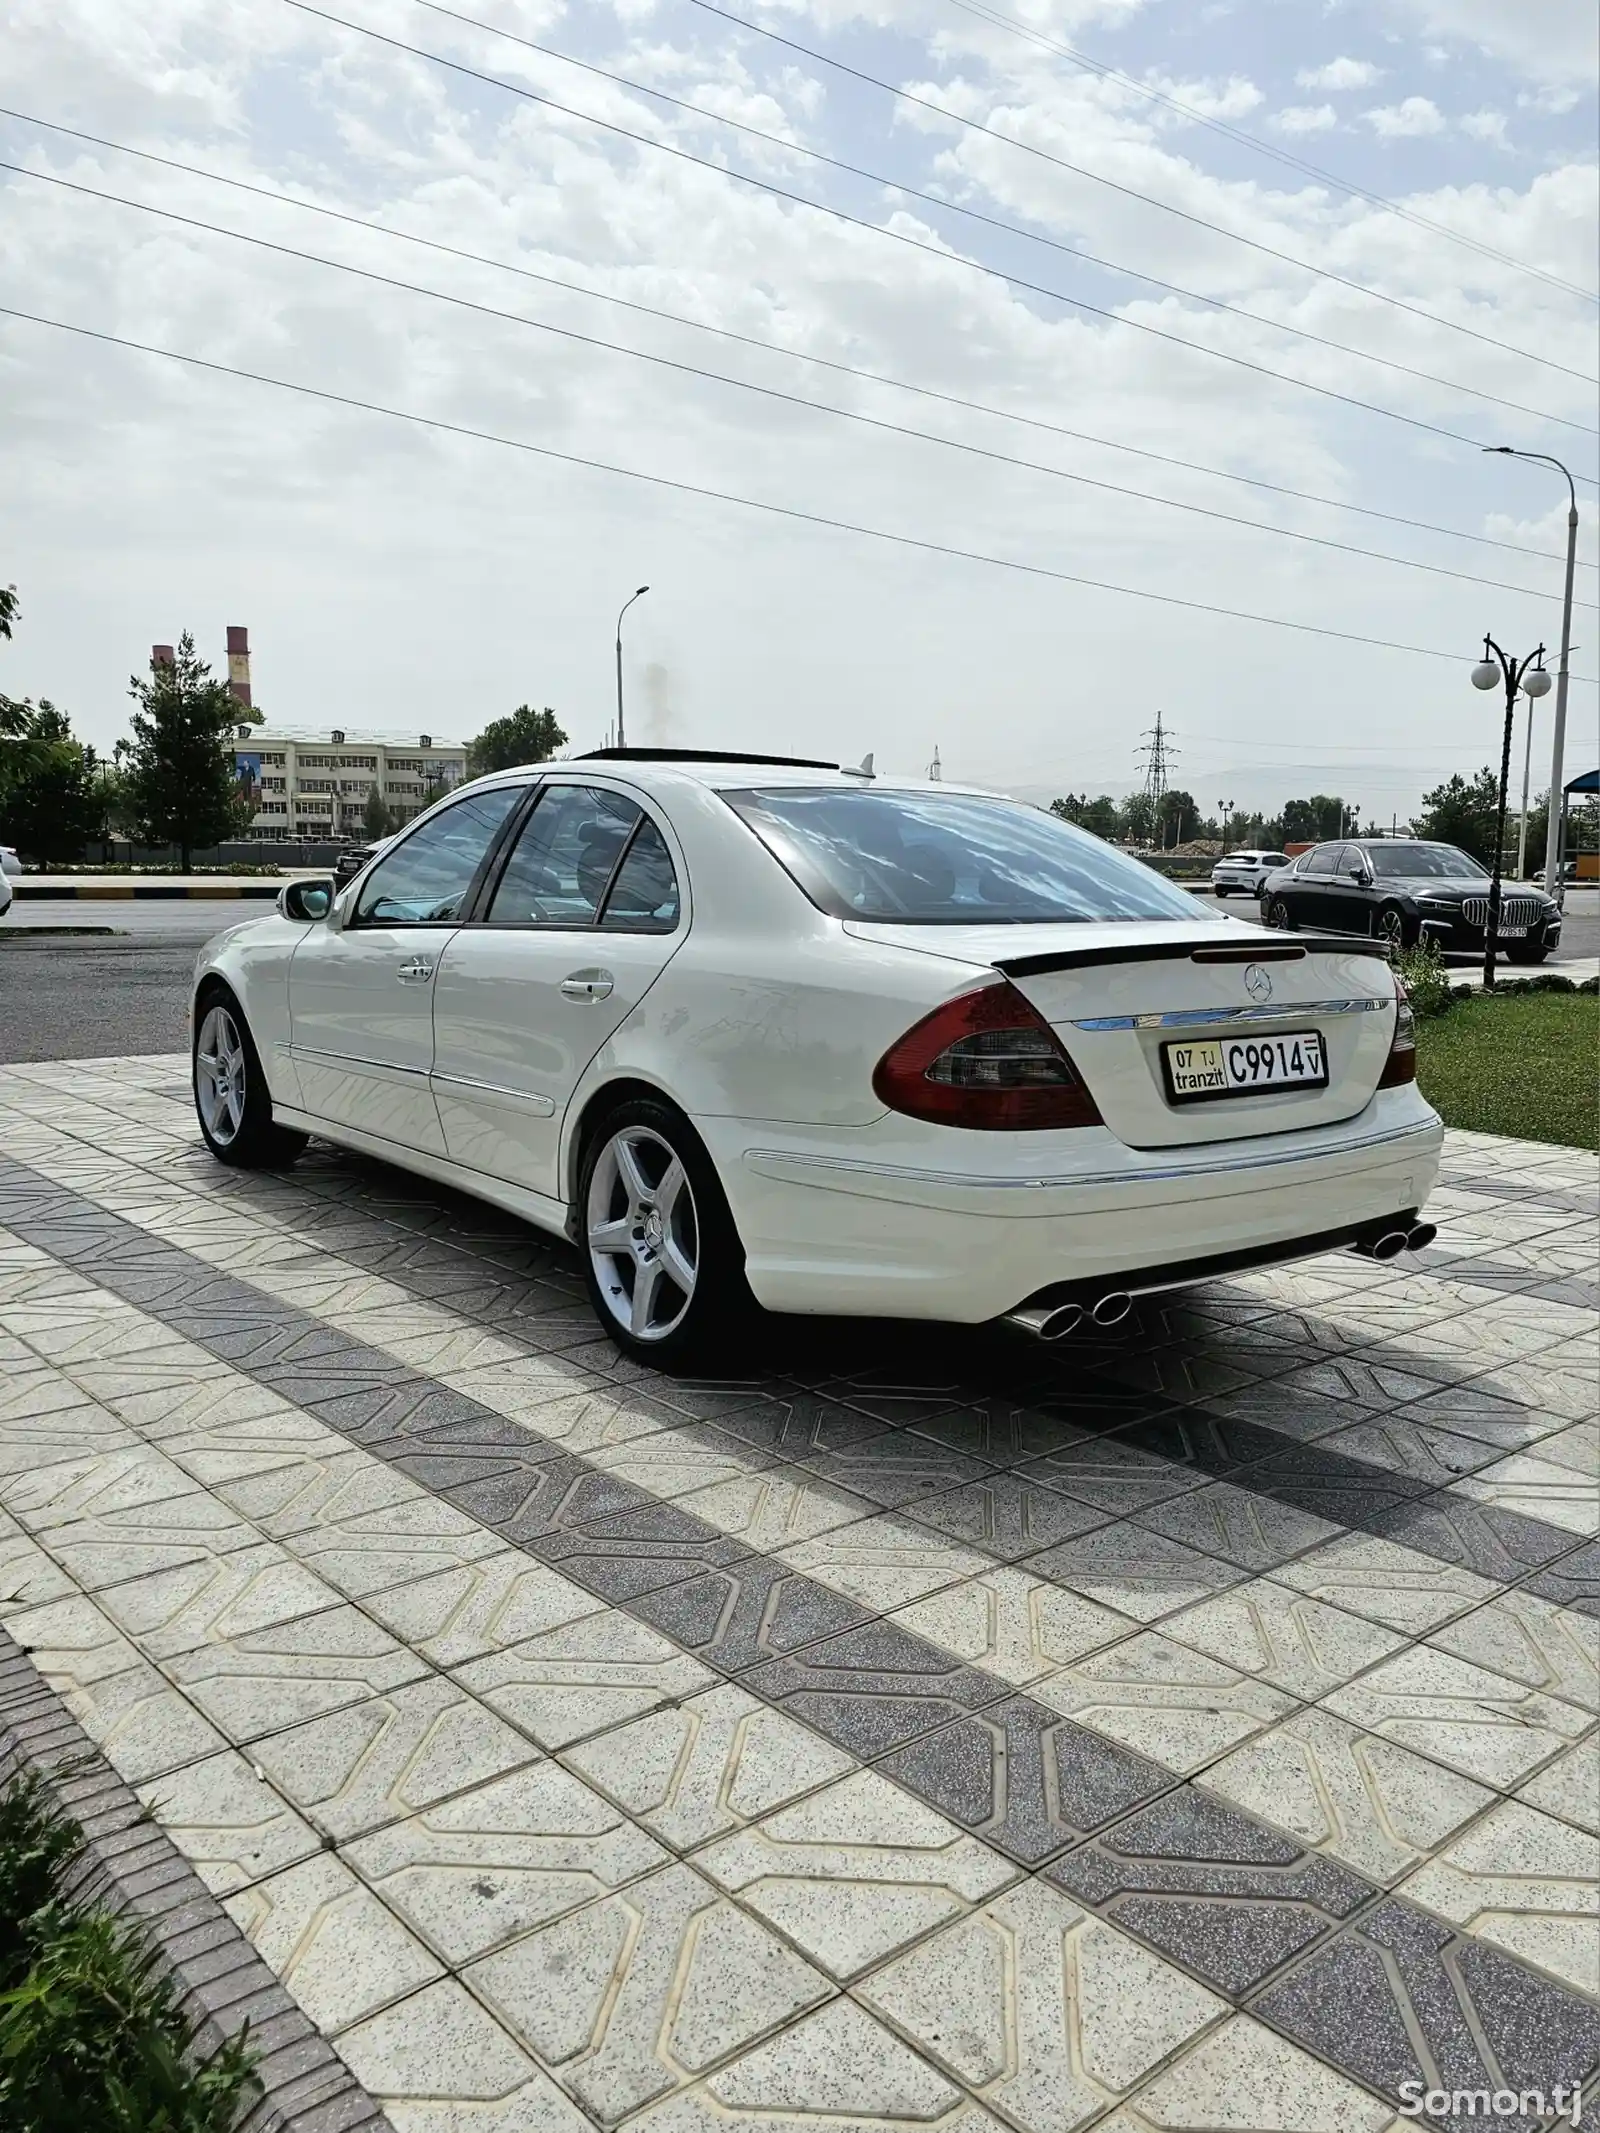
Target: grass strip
(92,2039)
(1523,1064)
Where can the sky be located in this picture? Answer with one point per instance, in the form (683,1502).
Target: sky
(1103,258)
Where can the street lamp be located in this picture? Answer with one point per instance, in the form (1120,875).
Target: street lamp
(1531,678)
(1553,820)
(639,595)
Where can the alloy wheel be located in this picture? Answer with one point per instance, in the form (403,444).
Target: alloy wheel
(219,1076)
(643,1233)
(1392,928)
(1278,914)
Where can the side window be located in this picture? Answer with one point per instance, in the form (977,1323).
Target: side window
(644,896)
(426,878)
(1324,860)
(563,861)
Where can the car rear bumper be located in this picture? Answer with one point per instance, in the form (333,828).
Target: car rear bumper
(830,1231)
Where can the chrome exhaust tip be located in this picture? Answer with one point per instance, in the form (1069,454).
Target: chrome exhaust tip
(1112,1309)
(1421,1236)
(1391,1244)
(1048,1322)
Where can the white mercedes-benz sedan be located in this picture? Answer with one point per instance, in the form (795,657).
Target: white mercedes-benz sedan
(768,1032)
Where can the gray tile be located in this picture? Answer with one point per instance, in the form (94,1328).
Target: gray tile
(1024,1778)
(1256,1532)
(873,1688)
(1224,1895)
(895,1468)
(755,1609)
(1373,2000)
(1135,1571)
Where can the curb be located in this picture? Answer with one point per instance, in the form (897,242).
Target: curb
(132,1867)
(143,892)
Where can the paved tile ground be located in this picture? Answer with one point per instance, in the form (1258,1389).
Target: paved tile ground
(1191,1728)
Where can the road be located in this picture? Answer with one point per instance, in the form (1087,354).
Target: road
(94,995)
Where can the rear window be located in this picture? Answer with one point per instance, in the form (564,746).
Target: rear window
(950,859)
(1425,862)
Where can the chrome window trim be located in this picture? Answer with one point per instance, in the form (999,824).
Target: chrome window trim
(1188,1017)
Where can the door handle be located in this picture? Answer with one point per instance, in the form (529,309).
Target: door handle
(415,973)
(587,985)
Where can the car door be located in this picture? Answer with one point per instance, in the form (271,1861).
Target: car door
(1350,899)
(361,988)
(584,914)
(1312,897)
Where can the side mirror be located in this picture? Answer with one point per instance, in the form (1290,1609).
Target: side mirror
(1358,873)
(306,901)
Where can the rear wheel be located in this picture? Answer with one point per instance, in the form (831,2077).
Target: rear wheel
(230,1090)
(661,1257)
(1278,915)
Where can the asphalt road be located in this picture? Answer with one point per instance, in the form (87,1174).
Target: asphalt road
(97,995)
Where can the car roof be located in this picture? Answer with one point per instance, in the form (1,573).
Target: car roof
(662,769)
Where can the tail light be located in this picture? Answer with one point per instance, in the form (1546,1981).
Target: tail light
(1401,1064)
(987,1060)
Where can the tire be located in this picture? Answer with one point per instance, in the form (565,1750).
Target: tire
(230,1090)
(1277,915)
(1219,892)
(1527,953)
(1391,925)
(661,1256)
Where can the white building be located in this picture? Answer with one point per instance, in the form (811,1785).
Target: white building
(309,784)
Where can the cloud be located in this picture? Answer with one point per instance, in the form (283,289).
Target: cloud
(1553,42)
(1305,118)
(1418,115)
(1487,126)
(1235,98)
(1340,74)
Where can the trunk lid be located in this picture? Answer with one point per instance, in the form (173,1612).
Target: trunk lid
(1116,993)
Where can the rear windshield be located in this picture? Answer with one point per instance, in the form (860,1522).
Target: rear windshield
(1437,862)
(937,859)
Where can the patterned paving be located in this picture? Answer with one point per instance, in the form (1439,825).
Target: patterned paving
(1192,1727)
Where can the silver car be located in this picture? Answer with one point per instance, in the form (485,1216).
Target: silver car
(1242,873)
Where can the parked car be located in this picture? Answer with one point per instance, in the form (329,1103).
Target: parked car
(1242,873)
(10,863)
(763,1031)
(1402,890)
(5,893)
(350,861)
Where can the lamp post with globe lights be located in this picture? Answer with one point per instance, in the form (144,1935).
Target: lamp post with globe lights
(1529,675)
(1553,816)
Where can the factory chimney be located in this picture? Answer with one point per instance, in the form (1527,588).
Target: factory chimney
(239,663)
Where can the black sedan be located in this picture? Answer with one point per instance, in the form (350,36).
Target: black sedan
(350,861)
(1402,891)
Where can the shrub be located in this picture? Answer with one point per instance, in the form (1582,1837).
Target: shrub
(1426,979)
(91,2033)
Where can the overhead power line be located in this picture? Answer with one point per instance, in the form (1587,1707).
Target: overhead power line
(793,355)
(1080,170)
(765,392)
(944,256)
(824,521)
(997,19)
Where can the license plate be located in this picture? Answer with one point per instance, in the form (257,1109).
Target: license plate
(1513,933)
(1202,1067)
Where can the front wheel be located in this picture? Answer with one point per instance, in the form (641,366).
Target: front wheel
(1527,952)
(661,1257)
(1391,928)
(1277,915)
(230,1090)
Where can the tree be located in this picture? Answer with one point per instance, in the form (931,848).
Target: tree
(9,608)
(49,787)
(1462,812)
(1102,817)
(1177,820)
(376,820)
(1316,820)
(182,785)
(527,736)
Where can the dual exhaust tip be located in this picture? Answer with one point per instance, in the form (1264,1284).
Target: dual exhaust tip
(1053,1322)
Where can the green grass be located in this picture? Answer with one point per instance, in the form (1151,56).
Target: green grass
(92,2039)
(1522,1064)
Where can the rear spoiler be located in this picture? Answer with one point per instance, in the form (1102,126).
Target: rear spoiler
(1274,949)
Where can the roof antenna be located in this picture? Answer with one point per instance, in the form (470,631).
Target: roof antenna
(863,769)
